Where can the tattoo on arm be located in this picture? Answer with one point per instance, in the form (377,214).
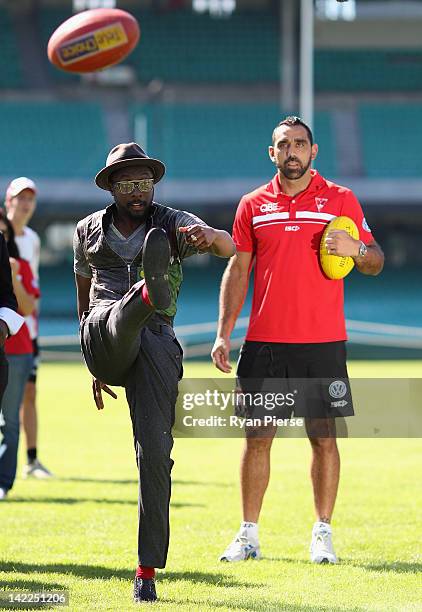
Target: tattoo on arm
(373,262)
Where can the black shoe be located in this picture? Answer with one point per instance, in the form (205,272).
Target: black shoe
(155,262)
(144,590)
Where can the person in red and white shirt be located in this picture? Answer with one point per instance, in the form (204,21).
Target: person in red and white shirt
(19,352)
(20,203)
(297,326)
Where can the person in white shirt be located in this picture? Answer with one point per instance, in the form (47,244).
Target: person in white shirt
(20,205)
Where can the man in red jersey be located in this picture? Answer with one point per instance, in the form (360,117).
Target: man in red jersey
(297,327)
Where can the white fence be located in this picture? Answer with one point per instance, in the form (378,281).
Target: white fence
(360,332)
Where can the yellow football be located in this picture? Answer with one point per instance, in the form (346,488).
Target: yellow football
(336,267)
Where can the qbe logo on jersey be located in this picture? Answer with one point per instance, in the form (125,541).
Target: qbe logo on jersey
(269,207)
(337,389)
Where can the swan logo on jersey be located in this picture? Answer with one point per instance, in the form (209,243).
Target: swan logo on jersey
(270,207)
(320,203)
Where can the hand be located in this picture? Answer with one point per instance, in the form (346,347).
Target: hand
(14,266)
(200,236)
(338,242)
(220,355)
(97,388)
(4,332)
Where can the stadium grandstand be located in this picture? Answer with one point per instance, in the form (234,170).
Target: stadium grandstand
(203,91)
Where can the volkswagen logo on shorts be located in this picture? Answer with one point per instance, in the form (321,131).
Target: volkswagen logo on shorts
(337,389)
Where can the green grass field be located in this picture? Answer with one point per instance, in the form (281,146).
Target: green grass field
(78,532)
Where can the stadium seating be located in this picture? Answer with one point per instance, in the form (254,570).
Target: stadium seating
(60,139)
(391,135)
(10,67)
(222,141)
(184,46)
(368,70)
(196,141)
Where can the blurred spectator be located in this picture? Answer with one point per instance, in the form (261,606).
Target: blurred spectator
(19,353)
(10,321)
(20,205)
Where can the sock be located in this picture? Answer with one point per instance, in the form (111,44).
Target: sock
(251,529)
(145,572)
(32,454)
(145,296)
(318,525)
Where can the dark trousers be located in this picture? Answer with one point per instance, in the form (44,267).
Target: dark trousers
(125,344)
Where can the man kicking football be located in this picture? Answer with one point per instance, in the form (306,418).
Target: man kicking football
(128,275)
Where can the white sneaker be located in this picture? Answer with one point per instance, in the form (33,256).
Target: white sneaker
(35,469)
(322,550)
(241,549)
(3,494)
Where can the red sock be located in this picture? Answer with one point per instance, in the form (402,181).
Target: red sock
(145,296)
(145,572)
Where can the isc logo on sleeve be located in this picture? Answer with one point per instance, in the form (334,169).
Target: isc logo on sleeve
(291,228)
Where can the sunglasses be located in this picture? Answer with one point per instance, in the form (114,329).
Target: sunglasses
(127,187)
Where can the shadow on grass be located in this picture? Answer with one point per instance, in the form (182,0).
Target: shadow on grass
(72,569)
(100,572)
(80,500)
(27,586)
(175,482)
(214,579)
(267,605)
(286,560)
(202,483)
(399,567)
(99,480)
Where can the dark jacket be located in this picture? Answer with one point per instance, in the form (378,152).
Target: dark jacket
(112,277)
(7,296)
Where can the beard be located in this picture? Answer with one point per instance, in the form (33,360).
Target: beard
(293,174)
(141,213)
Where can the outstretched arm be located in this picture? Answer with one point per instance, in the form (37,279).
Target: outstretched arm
(234,287)
(209,240)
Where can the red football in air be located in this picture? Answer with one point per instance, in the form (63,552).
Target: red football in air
(93,40)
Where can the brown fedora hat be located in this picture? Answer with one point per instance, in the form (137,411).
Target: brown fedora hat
(128,154)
